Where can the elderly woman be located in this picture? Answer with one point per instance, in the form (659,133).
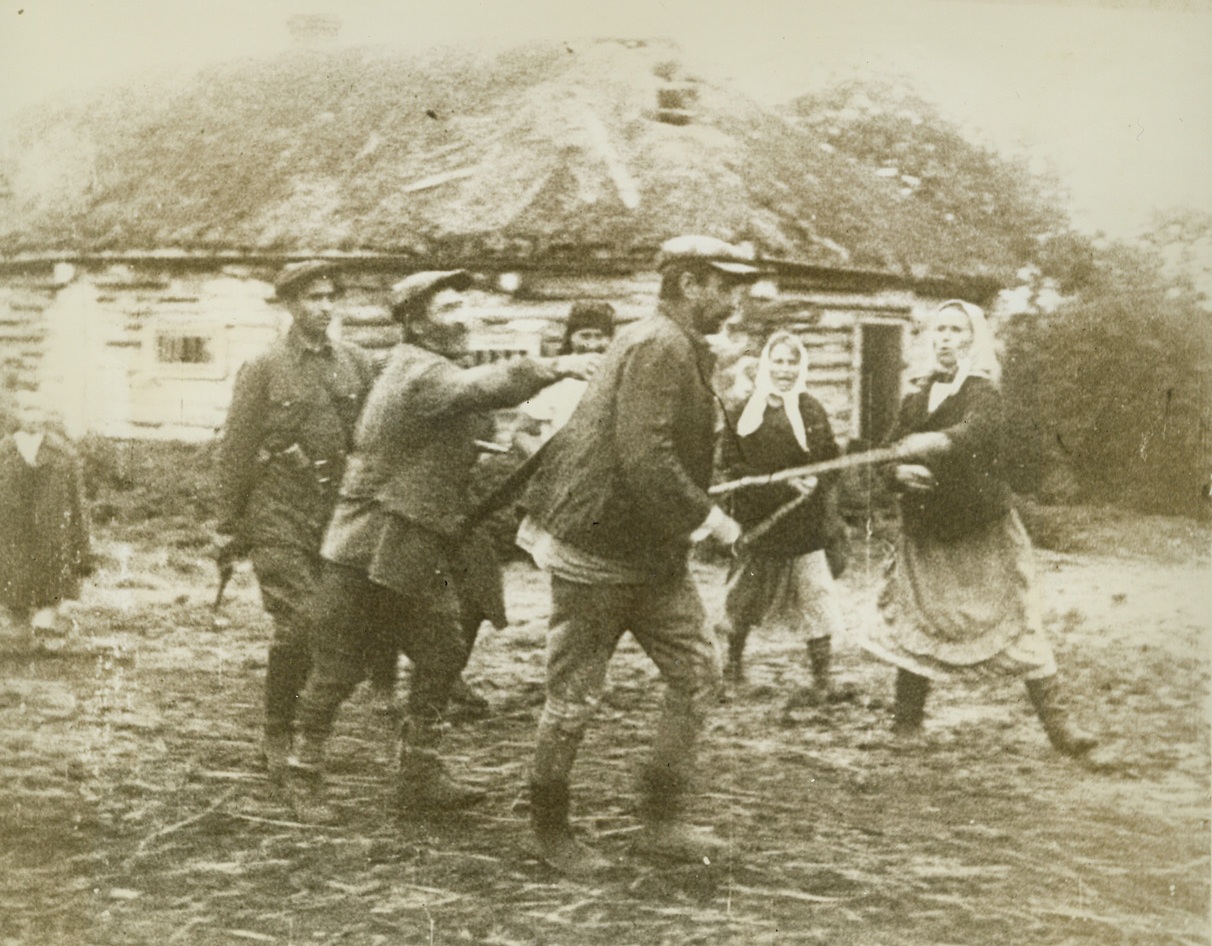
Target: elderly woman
(44,534)
(960,599)
(781,575)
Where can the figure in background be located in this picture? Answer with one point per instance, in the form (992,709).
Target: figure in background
(396,563)
(44,535)
(588,330)
(960,599)
(781,574)
(611,509)
(288,430)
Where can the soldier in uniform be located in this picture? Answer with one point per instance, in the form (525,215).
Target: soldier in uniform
(396,561)
(283,452)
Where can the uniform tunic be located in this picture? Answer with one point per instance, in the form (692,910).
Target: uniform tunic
(288,431)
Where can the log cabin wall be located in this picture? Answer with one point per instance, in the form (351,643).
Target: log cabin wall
(150,349)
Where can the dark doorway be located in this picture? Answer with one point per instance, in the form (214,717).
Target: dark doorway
(879,391)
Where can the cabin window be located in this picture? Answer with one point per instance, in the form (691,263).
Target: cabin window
(183,349)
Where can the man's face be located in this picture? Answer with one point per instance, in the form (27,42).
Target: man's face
(588,341)
(713,301)
(311,308)
(444,327)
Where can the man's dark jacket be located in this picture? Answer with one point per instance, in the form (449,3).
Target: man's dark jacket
(626,477)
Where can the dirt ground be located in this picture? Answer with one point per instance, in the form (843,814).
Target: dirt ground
(133,811)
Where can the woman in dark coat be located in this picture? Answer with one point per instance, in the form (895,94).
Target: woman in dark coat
(44,542)
(783,577)
(961,599)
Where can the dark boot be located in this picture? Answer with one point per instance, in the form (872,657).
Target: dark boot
(466,705)
(275,755)
(557,846)
(734,669)
(910,709)
(1064,737)
(285,674)
(665,833)
(423,784)
(822,691)
(304,783)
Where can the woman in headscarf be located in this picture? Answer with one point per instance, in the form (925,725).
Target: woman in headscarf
(44,536)
(960,599)
(781,575)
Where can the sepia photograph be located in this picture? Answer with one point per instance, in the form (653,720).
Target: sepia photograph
(536,473)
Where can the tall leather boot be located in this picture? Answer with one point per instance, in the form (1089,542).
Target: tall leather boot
(556,844)
(665,833)
(423,784)
(665,782)
(737,637)
(1066,738)
(910,709)
(285,674)
(304,783)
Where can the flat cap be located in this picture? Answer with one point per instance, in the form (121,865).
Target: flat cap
(726,257)
(295,276)
(413,289)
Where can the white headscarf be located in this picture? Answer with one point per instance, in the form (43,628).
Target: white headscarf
(764,390)
(980,361)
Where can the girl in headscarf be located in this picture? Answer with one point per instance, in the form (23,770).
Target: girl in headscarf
(783,577)
(960,599)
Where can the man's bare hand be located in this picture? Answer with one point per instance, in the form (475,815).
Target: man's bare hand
(580,367)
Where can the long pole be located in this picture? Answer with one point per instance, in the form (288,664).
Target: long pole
(869,457)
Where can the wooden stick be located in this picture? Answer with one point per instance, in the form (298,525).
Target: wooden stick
(882,455)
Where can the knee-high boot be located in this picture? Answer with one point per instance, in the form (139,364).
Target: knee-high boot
(285,674)
(910,709)
(1066,738)
(666,782)
(557,845)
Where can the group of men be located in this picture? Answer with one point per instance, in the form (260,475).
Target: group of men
(349,491)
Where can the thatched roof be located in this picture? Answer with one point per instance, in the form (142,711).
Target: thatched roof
(546,148)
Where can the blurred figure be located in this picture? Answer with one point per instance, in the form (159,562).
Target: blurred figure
(588,330)
(44,535)
(783,576)
(960,600)
(288,430)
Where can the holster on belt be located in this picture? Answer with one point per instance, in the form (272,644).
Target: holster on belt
(327,472)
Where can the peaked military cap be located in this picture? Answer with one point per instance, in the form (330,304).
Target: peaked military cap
(413,290)
(728,258)
(293,277)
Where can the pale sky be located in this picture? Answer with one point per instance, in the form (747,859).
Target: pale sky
(1116,101)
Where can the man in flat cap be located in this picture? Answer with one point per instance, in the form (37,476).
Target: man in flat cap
(394,561)
(288,430)
(618,496)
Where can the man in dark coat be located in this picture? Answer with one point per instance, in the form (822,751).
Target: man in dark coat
(283,452)
(395,562)
(618,496)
